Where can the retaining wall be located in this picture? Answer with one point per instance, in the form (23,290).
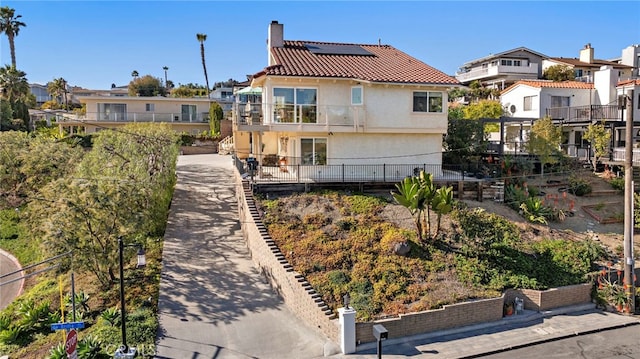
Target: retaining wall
(297,293)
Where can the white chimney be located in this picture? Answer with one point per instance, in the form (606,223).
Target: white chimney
(275,39)
(586,54)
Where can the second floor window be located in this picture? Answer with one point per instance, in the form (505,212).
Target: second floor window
(427,101)
(559,101)
(295,105)
(529,103)
(356,95)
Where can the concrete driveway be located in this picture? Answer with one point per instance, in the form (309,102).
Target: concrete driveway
(13,288)
(213,301)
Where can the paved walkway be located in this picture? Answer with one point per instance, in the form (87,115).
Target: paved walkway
(513,332)
(213,302)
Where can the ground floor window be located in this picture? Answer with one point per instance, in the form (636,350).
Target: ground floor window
(189,113)
(313,151)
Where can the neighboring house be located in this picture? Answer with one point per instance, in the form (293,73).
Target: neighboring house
(503,69)
(224,97)
(573,105)
(40,92)
(189,115)
(586,65)
(326,105)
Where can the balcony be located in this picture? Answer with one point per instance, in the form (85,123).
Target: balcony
(585,113)
(497,71)
(248,117)
(140,117)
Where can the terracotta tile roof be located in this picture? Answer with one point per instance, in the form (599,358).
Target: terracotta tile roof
(385,64)
(635,82)
(551,84)
(596,63)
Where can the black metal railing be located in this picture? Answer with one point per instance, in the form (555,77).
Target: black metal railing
(584,113)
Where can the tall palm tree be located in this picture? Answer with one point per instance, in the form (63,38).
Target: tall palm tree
(134,74)
(166,83)
(10,25)
(202,38)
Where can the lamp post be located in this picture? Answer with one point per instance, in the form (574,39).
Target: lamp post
(124,351)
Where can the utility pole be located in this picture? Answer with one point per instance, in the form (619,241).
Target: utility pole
(629,261)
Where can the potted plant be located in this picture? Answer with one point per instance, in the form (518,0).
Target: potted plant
(508,309)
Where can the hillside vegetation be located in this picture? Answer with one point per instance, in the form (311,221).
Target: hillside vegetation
(345,243)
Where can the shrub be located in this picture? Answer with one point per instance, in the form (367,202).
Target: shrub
(579,186)
(617,183)
(535,211)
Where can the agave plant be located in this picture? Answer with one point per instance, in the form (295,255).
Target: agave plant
(57,352)
(534,210)
(89,347)
(111,316)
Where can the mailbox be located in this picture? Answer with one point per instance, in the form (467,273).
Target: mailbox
(380,332)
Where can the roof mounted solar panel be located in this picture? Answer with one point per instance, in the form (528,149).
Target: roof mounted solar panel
(337,49)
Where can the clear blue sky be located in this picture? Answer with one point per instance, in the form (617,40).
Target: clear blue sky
(94,43)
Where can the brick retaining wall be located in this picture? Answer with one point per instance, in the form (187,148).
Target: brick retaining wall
(552,298)
(297,293)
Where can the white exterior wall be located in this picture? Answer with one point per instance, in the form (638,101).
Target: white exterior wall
(516,97)
(386,108)
(577,97)
(636,99)
(605,81)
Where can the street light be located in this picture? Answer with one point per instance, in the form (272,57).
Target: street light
(124,351)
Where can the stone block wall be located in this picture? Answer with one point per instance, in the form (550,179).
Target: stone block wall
(448,317)
(297,293)
(552,298)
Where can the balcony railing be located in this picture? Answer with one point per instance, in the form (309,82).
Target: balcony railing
(620,155)
(584,113)
(496,70)
(277,114)
(142,117)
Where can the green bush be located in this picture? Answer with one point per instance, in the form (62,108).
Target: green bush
(617,183)
(579,186)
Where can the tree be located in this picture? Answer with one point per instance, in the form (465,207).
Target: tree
(479,92)
(134,74)
(559,73)
(599,137)
(58,89)
(465,137)
(16,97)
(215,116)
(202,38)
(10,25)
(166,82)
(544,141)
(122,187)
(146,86)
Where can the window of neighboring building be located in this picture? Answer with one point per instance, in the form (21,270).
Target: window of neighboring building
(313,151)
(112,111)
(559,101)
(150,107)
(494,63)
(517,63)
(356,95)
(529,103)
(485,65)
(189,113)
(295,104)
(427,101)
(578,72)
(506,62)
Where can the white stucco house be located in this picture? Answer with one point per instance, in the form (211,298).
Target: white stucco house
(573,105)
(328,105)
(190,115)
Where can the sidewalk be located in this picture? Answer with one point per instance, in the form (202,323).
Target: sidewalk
(514,332)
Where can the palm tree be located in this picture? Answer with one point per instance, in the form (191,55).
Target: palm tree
(58,89)
(13,83)
(134,74)
(10,25)
(202,38)
(166,83)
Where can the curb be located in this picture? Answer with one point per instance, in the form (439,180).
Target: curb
(542,341)
(17,264)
